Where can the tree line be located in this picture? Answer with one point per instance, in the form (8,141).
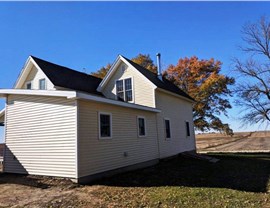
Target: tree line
(203,81)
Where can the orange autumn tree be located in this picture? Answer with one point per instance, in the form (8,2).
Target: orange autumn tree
(202,80)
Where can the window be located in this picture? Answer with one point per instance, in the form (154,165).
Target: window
(167,128)
(120,90)
(141,127)
(42,85)
(187,129)
(105,125)
(124,90)
(29,85)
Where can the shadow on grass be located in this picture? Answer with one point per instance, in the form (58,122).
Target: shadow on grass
(244,172)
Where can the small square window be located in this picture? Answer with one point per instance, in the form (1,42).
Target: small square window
(105,125)
(42,84)
(29,85)
(141,127)
(167,129)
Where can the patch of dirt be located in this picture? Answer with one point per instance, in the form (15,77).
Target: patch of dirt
(39,191)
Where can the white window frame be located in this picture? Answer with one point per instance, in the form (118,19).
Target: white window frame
(124,90)
(99,129)
(186,128)
(29,82)
(165,134)
(45,84)
(138,127)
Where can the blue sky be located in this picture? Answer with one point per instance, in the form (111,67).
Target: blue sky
(88,35)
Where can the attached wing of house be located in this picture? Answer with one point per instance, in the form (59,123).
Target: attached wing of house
(61,122)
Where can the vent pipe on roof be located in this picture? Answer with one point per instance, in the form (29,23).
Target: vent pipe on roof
(159,67)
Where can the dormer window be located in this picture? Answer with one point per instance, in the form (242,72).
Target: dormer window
(42,84)
(124,90)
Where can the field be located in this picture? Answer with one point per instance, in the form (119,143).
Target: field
(240,142)
(237,180)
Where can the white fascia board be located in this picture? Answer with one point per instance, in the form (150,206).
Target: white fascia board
(2,112)
(74,95)
(54,93)
(176,95)
(115,102)
(108,75)
(23,73)
(143,77)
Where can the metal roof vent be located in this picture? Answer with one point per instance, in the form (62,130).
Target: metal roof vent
(159,74)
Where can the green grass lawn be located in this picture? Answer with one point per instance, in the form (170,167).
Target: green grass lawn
(237,180)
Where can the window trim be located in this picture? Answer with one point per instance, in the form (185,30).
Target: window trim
(45,84)
(99,129)
(138,127)
(187,129)
(124,90)
(29,82)
(165,134)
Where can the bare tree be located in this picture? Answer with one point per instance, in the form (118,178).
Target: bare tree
(253,90)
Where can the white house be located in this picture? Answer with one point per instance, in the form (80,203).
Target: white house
(61,122)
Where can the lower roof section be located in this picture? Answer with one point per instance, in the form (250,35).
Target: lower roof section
(74,95)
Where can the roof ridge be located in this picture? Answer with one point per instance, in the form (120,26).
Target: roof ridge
(67,68)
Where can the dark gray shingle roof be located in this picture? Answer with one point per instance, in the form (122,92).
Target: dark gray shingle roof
(164,84)
(68,78)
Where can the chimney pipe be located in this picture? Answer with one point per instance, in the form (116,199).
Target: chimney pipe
(159,67)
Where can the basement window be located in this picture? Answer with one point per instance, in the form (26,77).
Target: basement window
(141,126)
(167,128)
(105,125)
(124,90)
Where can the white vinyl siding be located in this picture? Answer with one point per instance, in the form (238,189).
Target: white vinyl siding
(34,77)
(178,111)
(143,90)
(41,136)
(125,148)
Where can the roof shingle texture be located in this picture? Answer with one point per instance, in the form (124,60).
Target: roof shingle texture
(68,78)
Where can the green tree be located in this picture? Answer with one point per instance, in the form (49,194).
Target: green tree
(202,80)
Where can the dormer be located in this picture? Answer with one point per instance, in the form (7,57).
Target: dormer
(124,82)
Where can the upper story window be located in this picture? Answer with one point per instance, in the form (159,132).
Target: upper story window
(29,85)
(124,90)
(167,128)
(42,84)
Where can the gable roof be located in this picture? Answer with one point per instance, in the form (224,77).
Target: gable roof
(68,78)
(164,84)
